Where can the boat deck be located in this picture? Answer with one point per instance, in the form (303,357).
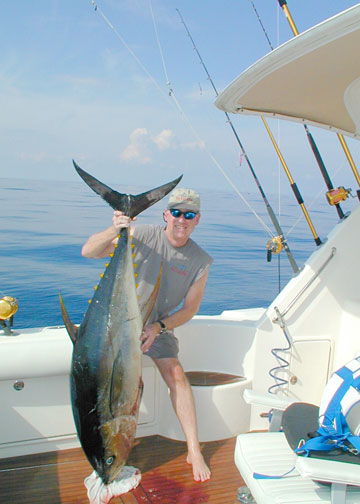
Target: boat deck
(58,477)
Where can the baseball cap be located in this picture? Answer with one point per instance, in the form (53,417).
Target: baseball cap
(188,199)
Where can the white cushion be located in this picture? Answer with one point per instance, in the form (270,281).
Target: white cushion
(329,470)
(270,454)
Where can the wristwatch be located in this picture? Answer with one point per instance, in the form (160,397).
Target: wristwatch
(163,327)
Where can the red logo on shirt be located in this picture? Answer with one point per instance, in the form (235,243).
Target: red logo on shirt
(179,270)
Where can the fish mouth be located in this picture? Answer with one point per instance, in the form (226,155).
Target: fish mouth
(108,476)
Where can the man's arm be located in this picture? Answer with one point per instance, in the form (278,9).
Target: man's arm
(102,244)
(184,314)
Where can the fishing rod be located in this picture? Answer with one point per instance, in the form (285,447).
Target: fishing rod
(334,196)
(350,160)
(276,244)
(293,185)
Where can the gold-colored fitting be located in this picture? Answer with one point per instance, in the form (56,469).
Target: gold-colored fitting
(275,245)
(8,307)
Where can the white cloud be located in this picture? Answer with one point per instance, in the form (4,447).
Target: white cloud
(143,145)
(164,139)
(138,148)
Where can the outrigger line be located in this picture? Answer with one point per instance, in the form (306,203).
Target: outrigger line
(182,113)
(279,242)
(333,195)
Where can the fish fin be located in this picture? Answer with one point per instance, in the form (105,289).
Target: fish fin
(71,328)
(117,384)
(141,387)
(117,387)
(139,397)
(130,204)
(146,309)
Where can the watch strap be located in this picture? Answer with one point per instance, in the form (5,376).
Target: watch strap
(163,326)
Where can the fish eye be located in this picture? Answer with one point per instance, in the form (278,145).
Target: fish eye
(109,460)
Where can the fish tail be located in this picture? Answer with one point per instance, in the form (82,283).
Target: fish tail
(130,204)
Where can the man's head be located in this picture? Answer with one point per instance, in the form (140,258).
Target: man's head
(182,215)
(186,199)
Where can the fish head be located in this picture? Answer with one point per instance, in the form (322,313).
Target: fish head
(117,438)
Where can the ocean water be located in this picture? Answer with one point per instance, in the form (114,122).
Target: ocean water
(44,224)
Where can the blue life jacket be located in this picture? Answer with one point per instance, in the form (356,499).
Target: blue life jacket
(339,413)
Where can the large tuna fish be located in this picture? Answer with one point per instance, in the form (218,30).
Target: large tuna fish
(106,382)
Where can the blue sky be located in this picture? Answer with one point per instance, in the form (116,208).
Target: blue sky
(69,88)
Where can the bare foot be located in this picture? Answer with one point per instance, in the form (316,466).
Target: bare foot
(201,471)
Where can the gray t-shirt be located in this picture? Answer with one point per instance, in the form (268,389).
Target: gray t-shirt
(181,267)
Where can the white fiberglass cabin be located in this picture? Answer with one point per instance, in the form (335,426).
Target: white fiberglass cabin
(319,309)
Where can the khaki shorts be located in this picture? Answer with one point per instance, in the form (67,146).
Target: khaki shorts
(165,346)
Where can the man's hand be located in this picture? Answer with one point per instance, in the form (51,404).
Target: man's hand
(148,336)
(120,220)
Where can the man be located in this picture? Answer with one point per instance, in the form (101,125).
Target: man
(185,269)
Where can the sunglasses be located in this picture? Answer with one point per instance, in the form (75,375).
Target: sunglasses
(178,213)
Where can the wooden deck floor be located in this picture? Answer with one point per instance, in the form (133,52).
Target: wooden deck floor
(58,477)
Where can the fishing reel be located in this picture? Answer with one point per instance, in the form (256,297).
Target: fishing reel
(274,246)
(8,308)
(335,196)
